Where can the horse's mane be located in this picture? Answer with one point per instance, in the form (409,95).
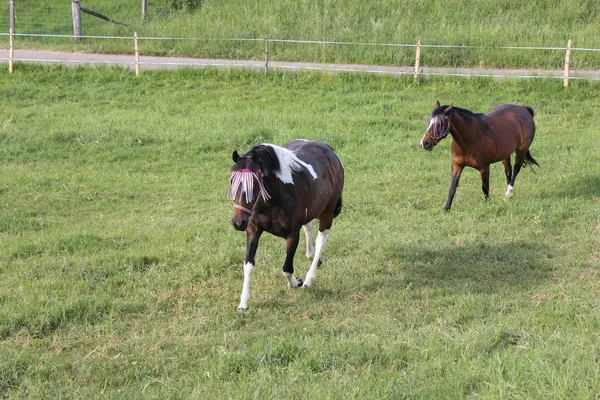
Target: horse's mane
(462,111)
(267,158)
(280,161)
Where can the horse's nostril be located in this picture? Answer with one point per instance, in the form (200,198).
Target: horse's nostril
(239,225)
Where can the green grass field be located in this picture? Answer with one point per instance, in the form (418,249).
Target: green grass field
(486,23)
(120,272)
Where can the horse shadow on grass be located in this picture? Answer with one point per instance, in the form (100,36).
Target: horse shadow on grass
(582,187)
(485,268)
(482,267)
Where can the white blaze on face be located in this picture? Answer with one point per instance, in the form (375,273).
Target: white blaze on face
(432,122)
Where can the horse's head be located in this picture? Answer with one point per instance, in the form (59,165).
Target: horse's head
(438,126)
(245,187)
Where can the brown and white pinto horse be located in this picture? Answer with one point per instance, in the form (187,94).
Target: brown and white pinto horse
(280,190)
(483,139)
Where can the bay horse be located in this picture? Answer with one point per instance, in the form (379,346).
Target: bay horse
(483,139)
(281,190)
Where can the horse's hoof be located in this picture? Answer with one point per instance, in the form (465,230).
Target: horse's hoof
(300,282)
(242,309)
(510,192)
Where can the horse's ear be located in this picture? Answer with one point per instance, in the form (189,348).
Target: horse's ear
(448,109)
(437,105)
(255,157)
(235,156)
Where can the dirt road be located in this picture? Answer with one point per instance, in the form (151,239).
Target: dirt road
(148,62)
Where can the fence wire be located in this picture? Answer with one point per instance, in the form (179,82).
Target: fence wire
(49,22)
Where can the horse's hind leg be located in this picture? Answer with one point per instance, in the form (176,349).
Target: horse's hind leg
(320,246)
(288,266)
(520,157)
(310,250)
(324,225)
(508,173)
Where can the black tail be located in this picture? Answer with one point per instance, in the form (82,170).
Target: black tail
(530,110)
(529,160)
(338,208)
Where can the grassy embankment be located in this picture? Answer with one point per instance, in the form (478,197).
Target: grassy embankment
(490,24)
(120,272)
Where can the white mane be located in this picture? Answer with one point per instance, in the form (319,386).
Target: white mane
(288,162)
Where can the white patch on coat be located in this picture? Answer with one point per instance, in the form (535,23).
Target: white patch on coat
(310,250)
(320,246)
(245,296)
(293,282)
(289,162)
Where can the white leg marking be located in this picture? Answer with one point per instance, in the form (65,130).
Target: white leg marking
(510,191)
(293,282)
(245,296)
(310,250)
(321,242)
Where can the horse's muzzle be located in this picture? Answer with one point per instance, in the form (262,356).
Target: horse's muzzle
(239,224)
(427,144)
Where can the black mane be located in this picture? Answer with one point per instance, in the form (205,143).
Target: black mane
(267,159)
(462,111)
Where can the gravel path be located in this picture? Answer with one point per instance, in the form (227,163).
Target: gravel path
(147,62)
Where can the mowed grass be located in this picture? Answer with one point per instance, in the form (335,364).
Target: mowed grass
(120,272)
(221,29)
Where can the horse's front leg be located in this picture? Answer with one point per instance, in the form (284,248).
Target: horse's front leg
(288,266)
(252,237)
(507,170)
(456,171)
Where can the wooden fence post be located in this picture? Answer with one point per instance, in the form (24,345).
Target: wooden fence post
(137,54)
(12,14)
(266,55)
(567,65)
(10,51)
(144,7)
(418,59)
(76,11)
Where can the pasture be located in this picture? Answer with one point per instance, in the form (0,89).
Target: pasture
(488,25)
(120,272)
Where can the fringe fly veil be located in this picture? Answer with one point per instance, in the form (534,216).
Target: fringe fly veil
(241,184)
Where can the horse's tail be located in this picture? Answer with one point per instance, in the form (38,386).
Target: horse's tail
(338,207)
(530,110)
(529,160)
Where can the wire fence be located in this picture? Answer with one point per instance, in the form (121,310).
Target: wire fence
(56,31)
